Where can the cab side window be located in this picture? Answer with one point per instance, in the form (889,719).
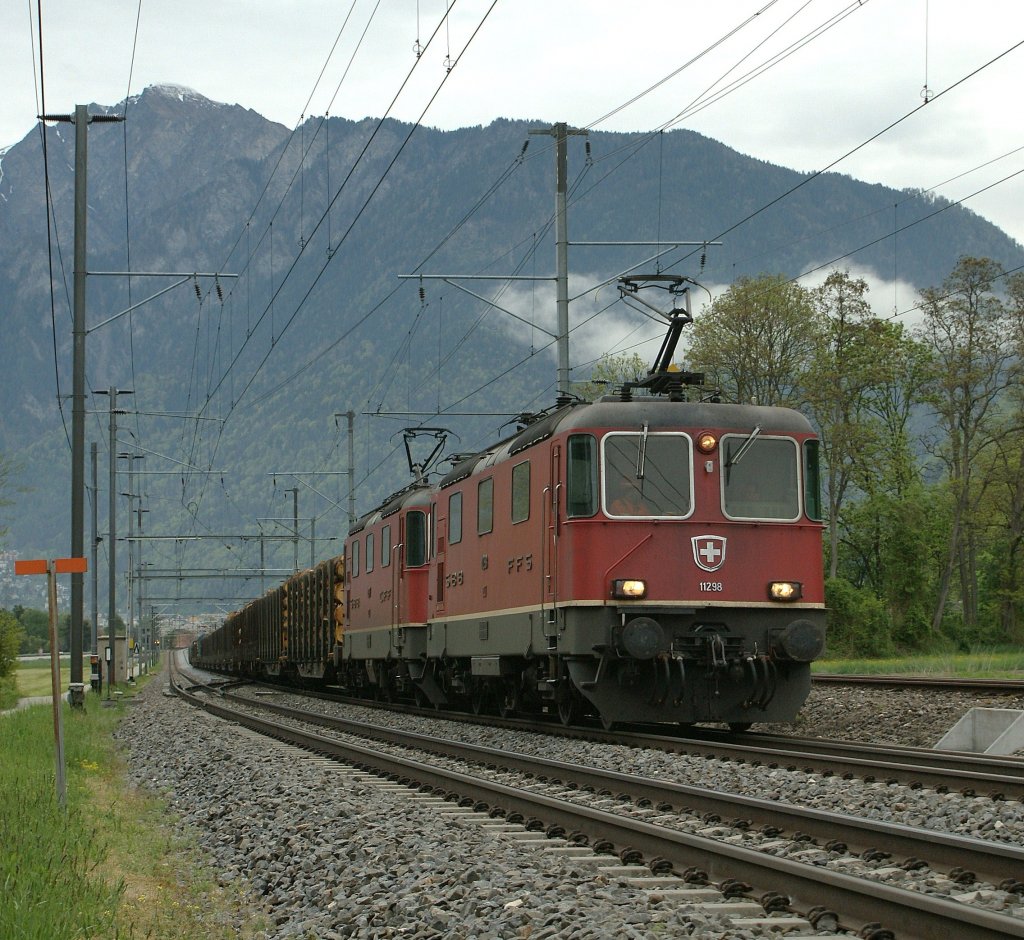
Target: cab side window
(812,481)
(582,476)
(485,506)
(455,518)
(521,492)
(415,539)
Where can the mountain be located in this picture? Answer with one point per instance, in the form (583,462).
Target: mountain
(309,230)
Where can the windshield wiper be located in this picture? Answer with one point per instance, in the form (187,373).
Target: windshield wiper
(641,457)
(744,447)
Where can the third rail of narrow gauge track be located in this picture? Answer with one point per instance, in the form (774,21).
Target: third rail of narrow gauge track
(912,914)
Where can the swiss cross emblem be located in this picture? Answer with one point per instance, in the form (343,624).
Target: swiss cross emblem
(708,551)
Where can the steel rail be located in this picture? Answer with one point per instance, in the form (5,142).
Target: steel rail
(990,861)
(858,901)
(996,685)
(954,770)
(997,776)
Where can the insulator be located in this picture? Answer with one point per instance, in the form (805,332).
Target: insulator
(526,143)
(423,295)
(199,293)
(220,291)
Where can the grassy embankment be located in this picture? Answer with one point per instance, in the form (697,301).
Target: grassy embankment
(112,865)
(995,663)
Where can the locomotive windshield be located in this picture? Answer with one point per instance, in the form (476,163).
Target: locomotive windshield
(647,474)
(763,483)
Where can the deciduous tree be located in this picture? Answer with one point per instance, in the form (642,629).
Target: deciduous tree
(837,388)
(969,333)
(756,340)
(610,371)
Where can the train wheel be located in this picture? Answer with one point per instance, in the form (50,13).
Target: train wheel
(568,703)
(740,726)
(478,696)
(608,724)
(509,700)
(384,691)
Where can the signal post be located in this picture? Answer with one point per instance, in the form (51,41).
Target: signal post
(51,569)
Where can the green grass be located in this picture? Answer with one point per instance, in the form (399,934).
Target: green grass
(112,866)
(49,866)
(9,694)
(995,663)
(33,676)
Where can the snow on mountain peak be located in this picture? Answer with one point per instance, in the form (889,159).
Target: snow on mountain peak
(181,92)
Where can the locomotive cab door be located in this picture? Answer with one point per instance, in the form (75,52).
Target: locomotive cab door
(439,560)
(552,522)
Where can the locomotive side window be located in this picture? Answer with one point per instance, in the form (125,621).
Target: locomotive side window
(760,478)
(485,506)
(455,518)
(355,559)
(385,546)
(812,481)
(647,475)
(415,539)
(581,499)
(369,552)
(521,492)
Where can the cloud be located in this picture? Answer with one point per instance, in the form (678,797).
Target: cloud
(888,299)
(601,324)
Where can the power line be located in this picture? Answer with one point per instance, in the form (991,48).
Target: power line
(864,143)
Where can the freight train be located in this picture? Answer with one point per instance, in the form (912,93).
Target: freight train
(653,556)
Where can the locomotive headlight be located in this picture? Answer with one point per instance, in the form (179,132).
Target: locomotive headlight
(785,590)
(706,443)
(629,588)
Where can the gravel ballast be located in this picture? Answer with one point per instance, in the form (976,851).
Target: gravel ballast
(327,853)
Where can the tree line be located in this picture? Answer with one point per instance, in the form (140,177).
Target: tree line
(922,431)
(26,631)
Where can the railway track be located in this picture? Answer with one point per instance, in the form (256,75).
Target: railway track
(999,777)
(657,819)
(995,686)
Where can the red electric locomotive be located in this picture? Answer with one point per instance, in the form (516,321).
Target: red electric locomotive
(641,560)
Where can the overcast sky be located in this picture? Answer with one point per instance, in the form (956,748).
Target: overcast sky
(575,61)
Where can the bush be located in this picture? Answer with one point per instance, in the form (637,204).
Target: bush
(8,692)
(10,642)
(858,622)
